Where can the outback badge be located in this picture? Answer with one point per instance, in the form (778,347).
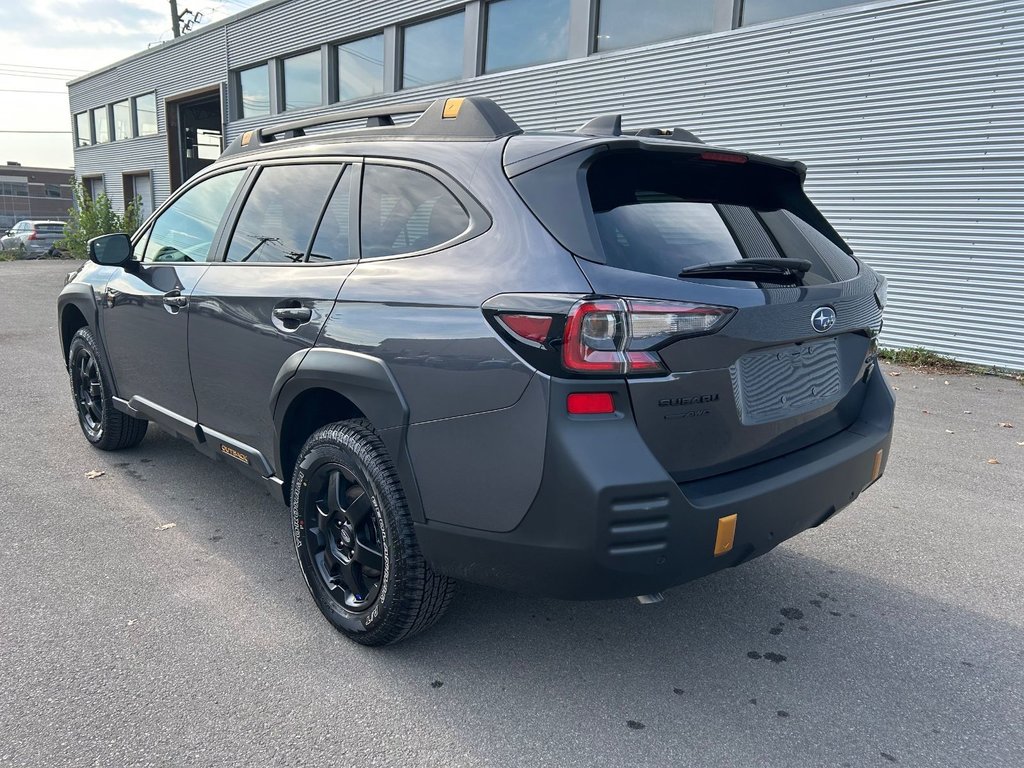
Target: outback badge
(823,318)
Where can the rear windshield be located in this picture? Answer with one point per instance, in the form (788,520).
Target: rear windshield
(659,213)
(50,229)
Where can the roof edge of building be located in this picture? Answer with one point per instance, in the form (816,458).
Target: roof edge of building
(254,10)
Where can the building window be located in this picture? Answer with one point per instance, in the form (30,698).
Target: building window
(52,190)
(620,24)
(361,68)
(93,186)
(14,188)
(756,11)
(254,91)
(432,50)
(525,32)
(301,81)
(83,129)
(101,125)
(145,114)
(122,119)
(139,187)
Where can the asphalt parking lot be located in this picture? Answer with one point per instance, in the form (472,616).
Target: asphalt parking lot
(892,635)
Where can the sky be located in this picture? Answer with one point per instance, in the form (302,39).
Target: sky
(45,43)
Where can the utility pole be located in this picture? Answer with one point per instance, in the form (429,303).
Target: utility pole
(175,21)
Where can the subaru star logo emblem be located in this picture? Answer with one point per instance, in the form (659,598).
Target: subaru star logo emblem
(823,319)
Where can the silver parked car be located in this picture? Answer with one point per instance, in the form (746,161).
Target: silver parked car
(33,239)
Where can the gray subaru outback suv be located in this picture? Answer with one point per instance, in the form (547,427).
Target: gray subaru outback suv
(584,365)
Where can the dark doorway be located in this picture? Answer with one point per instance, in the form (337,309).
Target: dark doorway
(195,134)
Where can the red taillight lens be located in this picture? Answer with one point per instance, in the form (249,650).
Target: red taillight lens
(532,329)
(588,403)
(32,236)
(618,335)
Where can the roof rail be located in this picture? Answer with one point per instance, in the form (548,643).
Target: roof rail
(472,117)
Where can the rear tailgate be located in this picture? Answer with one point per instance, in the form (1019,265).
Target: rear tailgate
(47,235)
(777,377)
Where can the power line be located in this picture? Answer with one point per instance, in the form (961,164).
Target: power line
(36,67)
(30,90)
(36,76)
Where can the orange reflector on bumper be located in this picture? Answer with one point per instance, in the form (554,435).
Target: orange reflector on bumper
(876,470)
(726,534)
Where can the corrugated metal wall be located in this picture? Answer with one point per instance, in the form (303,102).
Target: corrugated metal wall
(909,114)
(174,68)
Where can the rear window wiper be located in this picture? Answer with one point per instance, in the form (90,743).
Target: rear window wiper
(761,270)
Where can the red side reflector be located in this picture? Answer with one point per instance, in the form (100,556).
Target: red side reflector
(580,403)
(723,157)
(533,328)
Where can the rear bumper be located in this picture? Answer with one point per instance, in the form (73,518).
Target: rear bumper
(608,521)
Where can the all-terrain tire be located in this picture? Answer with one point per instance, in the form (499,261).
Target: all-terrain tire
(102,424)
(400,594)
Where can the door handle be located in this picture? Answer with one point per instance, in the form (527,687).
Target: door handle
(294,314)
(176,300)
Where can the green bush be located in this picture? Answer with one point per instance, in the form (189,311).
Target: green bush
(90,218)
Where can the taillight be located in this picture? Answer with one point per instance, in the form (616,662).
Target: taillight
(562,334)
(32,236)
(529,329)
(618,336)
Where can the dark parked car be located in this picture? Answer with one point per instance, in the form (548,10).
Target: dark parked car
(584,365)
(33,239)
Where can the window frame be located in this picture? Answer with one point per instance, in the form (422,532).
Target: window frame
(403,28)
(479,220)
(131,119)
(282,80)
(87,114)
(105,111)
(239,95)
(335,66)
(136,123)
(485,29)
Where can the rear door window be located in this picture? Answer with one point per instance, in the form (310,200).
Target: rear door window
(404,211)
(281,212)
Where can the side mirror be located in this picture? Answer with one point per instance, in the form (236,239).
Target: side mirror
(111,250)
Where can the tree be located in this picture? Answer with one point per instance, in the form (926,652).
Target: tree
(90,218)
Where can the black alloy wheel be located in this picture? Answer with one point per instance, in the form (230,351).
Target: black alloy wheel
(355,540)
(102,424)
(88,388)
(343,536)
